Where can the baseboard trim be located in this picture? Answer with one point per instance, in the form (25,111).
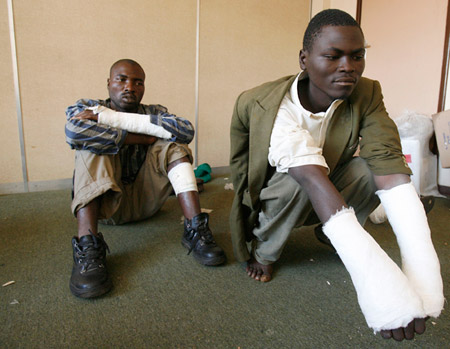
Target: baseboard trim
(17,188)
(62,184)
(220,171)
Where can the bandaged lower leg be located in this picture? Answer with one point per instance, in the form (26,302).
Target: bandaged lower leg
(384,293)
(420,263)
(137,123)
(182,178)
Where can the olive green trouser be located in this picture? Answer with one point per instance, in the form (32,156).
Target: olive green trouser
(285,206)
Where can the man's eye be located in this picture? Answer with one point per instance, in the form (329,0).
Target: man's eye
(331,57)
(358,57)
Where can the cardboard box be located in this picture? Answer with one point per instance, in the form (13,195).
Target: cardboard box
(441,122)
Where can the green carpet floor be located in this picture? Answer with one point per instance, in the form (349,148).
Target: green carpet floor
(163,299)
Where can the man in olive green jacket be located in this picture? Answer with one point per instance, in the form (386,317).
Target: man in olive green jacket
(293,163)
(362,114)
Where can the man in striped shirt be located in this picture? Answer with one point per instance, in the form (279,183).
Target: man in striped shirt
(129,157)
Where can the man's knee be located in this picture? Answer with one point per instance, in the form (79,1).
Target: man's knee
(94,176)
(355,182)
(355,173)
(282,193)
(164,154)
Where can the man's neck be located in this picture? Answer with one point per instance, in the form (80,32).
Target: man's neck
(307,100)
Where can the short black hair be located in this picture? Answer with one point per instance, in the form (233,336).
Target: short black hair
(324,18)
(125,60)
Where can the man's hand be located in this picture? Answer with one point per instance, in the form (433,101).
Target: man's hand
(399,334)
(86,114)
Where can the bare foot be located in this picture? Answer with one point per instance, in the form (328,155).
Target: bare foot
(259,271)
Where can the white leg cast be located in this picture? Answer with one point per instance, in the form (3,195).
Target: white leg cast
(385,296)
(420,263)
(182,178)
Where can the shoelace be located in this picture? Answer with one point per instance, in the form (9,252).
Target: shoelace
(201,233)
(91,253)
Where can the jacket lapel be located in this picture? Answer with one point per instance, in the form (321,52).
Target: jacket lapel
(338,133)
(261,124)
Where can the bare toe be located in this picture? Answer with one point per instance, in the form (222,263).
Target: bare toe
(258,271)
(419,325)
(265,278)
(386,334)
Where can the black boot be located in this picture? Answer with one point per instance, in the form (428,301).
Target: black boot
(197,238)
(89,275)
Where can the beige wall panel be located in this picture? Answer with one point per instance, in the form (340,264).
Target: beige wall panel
(243,43)
(348,6)
(407,39)
(65,49)
(10,159)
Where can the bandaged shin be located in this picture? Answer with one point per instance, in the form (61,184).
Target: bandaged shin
(137,123)
(384,294)
(182,178)
(420,263)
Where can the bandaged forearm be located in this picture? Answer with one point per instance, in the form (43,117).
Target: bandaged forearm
(420,263)
(384,294)
(182,178)
(136,123)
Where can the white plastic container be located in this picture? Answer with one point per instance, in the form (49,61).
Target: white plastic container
(423,165)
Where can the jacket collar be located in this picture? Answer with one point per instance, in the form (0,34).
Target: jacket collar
(277,94)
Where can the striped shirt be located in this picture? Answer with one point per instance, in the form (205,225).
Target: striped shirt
(106,140)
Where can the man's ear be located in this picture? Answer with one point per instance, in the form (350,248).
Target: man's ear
(107,82)
(302,58)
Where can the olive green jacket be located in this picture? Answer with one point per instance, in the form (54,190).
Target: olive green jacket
(360,120)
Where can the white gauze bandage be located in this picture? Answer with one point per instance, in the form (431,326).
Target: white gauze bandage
(384,294)
(420,263)
(182,178)
(136,123)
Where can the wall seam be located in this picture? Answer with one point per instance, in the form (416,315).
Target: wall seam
(12,36)
(197,67)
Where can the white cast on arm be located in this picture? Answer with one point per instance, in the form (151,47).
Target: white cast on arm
(384,293)
(420,263)
(136,123)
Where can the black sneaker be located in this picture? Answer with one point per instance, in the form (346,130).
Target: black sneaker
(89,275)
(197,238)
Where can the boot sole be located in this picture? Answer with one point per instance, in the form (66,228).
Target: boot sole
(205,261)
(92,292)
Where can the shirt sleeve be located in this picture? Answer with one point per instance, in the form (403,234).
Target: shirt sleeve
(181,129)
(291,145)
(88,134)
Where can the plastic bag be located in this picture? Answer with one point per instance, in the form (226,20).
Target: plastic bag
(415,132)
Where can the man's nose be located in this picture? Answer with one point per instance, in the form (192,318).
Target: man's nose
(129,85)
(347,64)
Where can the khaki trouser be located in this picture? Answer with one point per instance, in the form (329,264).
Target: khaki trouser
(285,205)
(100,175)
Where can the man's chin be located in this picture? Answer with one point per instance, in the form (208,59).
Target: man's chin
(128,107)
(343,95)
